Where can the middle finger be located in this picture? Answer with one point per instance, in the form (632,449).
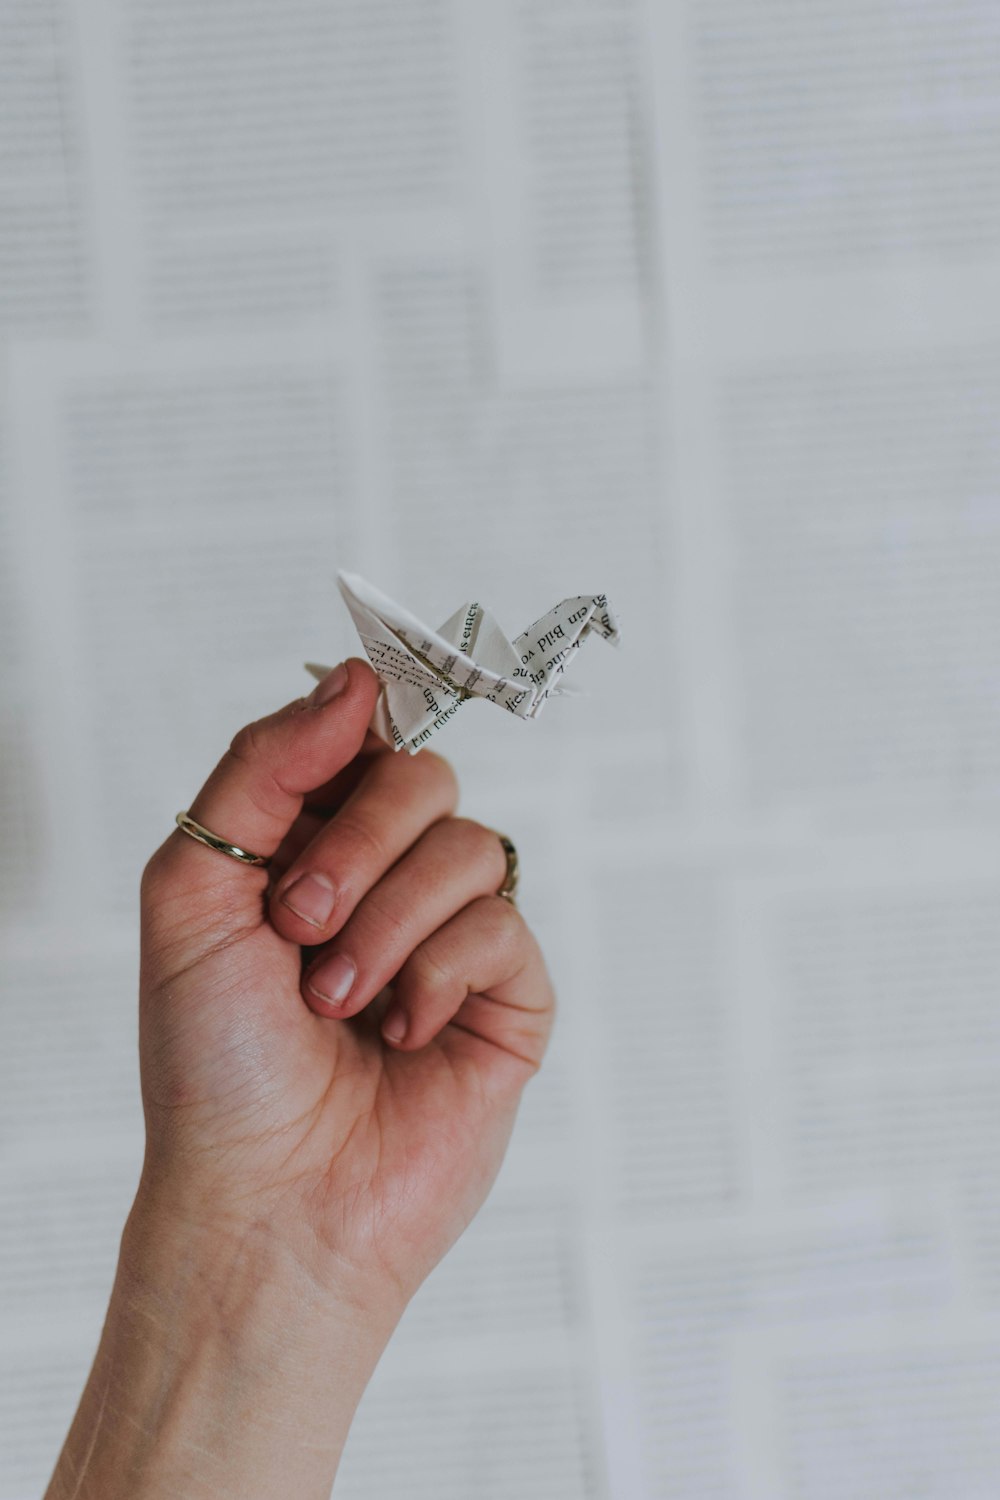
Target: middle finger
(455,862)
(399,797)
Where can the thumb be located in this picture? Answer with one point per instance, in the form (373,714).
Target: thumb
(251,800)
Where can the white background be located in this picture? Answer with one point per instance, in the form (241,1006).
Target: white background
(695,304)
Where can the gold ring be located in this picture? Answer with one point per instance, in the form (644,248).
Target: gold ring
(510,878)
(206,836)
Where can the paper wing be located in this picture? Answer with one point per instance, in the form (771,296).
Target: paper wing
(428,674)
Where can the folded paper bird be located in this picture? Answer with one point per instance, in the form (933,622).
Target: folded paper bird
(427,675)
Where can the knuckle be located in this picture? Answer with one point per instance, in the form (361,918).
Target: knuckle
(253,749)
(471,841)
(473,853)
(245,745)
(424,774)
(360,840)
(427,970)
(504,923)
(379,912)
(441,775)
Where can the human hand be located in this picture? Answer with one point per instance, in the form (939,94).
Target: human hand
(303,1173)
(267,1105)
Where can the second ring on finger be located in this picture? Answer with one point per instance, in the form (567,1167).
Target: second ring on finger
(454,862)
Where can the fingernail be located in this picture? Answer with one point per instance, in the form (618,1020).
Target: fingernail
(394,1025)
(329,686)
(311,897)
(333,978)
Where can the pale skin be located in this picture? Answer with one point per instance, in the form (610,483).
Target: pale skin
(306,1166)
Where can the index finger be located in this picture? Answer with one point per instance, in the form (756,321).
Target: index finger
(257,789)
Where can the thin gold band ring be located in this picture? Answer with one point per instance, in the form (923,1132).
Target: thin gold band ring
(511,875)
(212,840)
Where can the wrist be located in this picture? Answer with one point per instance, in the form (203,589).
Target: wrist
(258,1276)
(224,1369)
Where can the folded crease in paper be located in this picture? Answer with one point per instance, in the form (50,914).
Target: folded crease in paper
(427,675)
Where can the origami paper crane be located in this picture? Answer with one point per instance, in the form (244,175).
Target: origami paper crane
(427,675)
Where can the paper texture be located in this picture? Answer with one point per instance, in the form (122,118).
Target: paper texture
(427,675)
(695,303)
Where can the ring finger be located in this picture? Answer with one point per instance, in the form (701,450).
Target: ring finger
(454,862)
